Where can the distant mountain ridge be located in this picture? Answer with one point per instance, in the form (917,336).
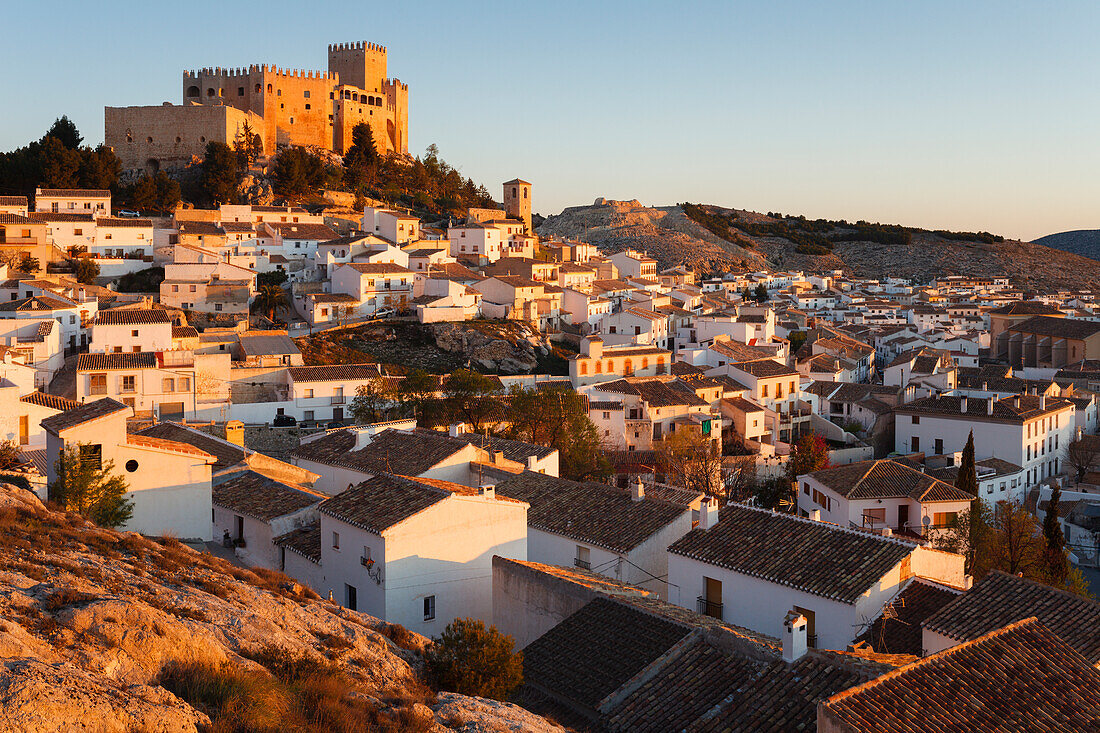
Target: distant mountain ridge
(714,238)
(1084,242)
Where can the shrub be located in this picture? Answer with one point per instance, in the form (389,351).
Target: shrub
(472,660)
(335,641)
(401,636)
(66,597)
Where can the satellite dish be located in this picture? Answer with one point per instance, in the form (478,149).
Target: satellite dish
(926,520)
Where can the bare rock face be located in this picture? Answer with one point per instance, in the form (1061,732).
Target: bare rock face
(255,190)
(512,348)
(90,619)
(481,715)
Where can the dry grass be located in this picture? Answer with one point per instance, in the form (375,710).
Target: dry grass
(334,641)
(401,636)
(66,597)
(300,694)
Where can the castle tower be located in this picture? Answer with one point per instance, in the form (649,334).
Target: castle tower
(361,64)
(517,201)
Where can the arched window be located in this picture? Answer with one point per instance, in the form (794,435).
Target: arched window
(645,362)
(269,89)
(525,192)
(599,367)
(192,91)
(513,191)
(610,366)
(129,136)
(210,91)
(149,139)
(584,367)
(259,88)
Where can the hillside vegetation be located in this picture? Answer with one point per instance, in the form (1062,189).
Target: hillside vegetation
(1084,242)
(714,238)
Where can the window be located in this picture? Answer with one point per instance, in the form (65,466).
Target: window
(168,385)
(185,384)
(91,455)
(822,500)
(217,306)
(134,333)
(942,519)
(938,447)
(764,390)
(916,444)
(175,288)
(191,288)
(131,465)
(874,517)
(307,415)
(309,393)
(429,608)
(97,384)
(128,383)
(336,540)
(916,419)
(583,558)
(72,320)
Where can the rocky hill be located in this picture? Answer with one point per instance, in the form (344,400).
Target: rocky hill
(715,238)
(107,631)
(1084,242)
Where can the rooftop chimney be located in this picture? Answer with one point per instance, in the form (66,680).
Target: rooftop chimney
(708,512)
(234,432)
(1042,402)
(962,405)
(498,457)
(815,515)
(989,406)
(794,636)
(637,493)
(489,491)
(456,429)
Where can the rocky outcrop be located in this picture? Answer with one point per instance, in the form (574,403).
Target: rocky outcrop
(505,348)
(255,190)
(90,619)
(673,238)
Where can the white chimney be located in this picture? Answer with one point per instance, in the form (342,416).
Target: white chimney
(532,462)
(456,429)
(815,515)
(989,406)
(1042,402)
(498,457)
(489,491)
(962,405)
(638,492)
(794,636)
(708,512)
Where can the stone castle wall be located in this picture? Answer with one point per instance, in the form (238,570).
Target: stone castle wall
(288,107)
(161,136)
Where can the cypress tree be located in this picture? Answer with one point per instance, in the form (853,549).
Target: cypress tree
(1055,558)
(967,480)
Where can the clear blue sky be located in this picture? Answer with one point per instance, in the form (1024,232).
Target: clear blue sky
(967,115)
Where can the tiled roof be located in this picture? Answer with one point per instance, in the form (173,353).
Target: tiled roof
(1014,409)
(49,400)
(1019,678)
(594,651)
(604,516)
(36,303)
(392,451)
(261,497)
(766,368)
(49,216)
(514,450)
(295,230)
(887,479)
(111,221)
(267,343)
(334,373)
(657,392)
(1070,328)
(168,445)
(898,631)
(185,332)
(306,541)
(378,268)
(88,193)
(84,413)
(123,317)
(708,688)
(226,453)
(6,218)
(1026,308)
(815,557)
(13,201)
(386,500)
(999,599)
(97,362)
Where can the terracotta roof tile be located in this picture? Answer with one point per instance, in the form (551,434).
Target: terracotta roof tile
(126,317)
(84,413)
(261,497)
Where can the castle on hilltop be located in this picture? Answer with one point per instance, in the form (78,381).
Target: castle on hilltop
(281,106)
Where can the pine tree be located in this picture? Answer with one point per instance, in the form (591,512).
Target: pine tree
(86,486)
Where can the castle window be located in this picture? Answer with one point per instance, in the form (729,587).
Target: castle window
(210,91)
(279,93)
(202,139)
(240,91)
(306,94)
(292,120)
(129,136)
(513,191)
(269,89)
(308,107)
(148,139)
(192,91)
(259,88)
(525,193)
(179,139)
(331,95)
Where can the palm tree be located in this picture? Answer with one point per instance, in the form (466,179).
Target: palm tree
(271,298)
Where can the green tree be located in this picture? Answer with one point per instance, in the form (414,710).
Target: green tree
(558,418)
(247,145)
(776,493)
(761,293)
(219,173)
(693,461)
(296,171)
(58,166)
(970,534)
(143,194)
(417,391)
(471,397)
(472,660)
(87,486)
(85,269)
(168,193)
(271,277)
(967,478)
(270,299)
(362,159)
(28,264)
(99,168)
(1055,558)
(64,130)
(371,400)
(11,455)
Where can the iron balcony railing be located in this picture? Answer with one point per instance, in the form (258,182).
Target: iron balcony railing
(582,563)
(709,608)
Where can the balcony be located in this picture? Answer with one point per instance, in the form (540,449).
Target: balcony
(708,608)
(366,562)
(583,564)
(337,400)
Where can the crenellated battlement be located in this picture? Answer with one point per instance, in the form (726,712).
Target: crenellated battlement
(259,69)
(357,46)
